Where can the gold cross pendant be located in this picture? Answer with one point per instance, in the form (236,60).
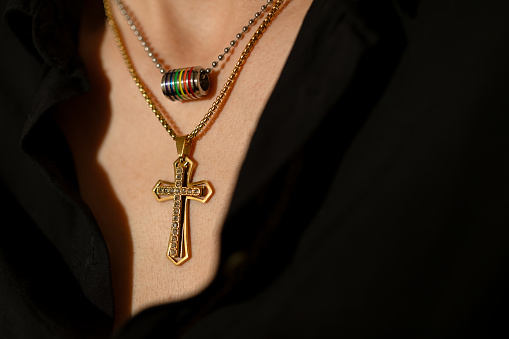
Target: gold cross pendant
(181,191)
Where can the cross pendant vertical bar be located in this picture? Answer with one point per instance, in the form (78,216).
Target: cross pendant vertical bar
(181,191)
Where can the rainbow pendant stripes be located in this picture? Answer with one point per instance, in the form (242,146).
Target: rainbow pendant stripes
(185,83)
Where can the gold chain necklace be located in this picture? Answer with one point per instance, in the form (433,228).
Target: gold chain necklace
(183,189)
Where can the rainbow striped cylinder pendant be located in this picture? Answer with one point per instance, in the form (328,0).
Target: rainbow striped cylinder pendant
(185,83)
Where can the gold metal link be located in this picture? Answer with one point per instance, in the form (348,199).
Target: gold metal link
(224,91)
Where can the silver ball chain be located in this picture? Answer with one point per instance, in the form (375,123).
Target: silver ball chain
(220,57)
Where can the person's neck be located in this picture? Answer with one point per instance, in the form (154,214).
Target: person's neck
(199,29)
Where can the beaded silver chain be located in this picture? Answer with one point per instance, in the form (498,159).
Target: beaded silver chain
(214,64)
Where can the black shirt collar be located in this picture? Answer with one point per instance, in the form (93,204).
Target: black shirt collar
(340,41)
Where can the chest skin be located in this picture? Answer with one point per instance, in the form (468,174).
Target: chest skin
(121,150)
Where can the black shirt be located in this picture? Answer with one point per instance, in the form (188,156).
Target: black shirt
(373,201)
